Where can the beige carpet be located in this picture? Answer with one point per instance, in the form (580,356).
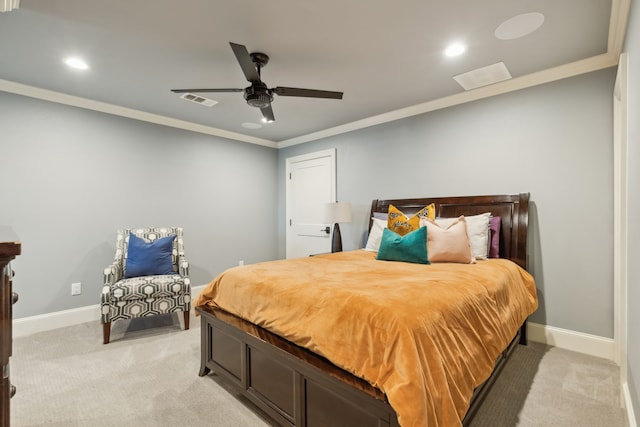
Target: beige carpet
(544,386)
(148,376)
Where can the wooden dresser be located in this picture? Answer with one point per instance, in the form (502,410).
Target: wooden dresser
(9,249)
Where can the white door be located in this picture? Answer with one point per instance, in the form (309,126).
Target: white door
(310,185)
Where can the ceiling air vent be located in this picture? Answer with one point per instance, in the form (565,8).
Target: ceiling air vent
(483,76)
(199,99)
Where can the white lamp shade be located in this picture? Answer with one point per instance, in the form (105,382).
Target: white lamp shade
(338,212)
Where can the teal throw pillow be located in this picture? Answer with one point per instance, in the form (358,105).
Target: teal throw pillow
(149,259)
(412,247)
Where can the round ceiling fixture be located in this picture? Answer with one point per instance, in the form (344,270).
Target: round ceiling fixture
(519,26)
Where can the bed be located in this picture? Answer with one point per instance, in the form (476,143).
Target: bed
(322,348)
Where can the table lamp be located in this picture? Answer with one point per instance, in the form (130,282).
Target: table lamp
(337,213)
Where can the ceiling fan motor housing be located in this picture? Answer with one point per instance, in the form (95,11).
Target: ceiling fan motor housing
(258,95)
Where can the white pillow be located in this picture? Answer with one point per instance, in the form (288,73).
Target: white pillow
(477,230)
(375,235)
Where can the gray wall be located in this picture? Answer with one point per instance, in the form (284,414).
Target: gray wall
(633,354)
(71,177)
(554,141)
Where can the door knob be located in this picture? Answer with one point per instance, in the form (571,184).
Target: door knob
(327,229)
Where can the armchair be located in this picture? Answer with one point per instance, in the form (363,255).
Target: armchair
(128,294)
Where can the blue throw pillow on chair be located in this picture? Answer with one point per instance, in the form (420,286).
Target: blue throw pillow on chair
(149,259)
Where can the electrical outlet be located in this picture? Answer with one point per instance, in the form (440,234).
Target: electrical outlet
(241,262)
(76,288)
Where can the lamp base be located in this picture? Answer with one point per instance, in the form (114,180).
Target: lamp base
(336,241)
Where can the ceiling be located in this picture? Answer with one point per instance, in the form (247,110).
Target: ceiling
(387,57)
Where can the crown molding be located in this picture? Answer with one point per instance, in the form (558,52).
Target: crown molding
(583,66)
(103,107)
(618,26)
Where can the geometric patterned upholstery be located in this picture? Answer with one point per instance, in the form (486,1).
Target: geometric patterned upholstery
(147,295)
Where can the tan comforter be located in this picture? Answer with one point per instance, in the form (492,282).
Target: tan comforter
(426,335)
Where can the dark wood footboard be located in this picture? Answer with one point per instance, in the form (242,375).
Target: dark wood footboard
(294,386)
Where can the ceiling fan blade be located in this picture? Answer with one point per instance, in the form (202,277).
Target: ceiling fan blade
(308,93)
(205,90)
(247,65)
(267,113)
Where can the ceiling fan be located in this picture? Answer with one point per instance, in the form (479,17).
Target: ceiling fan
(258,94)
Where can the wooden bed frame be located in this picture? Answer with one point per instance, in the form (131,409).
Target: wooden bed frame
(299,388)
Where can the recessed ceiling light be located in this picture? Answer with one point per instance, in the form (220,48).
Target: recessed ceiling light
(519,26)
(249,125)
(455,49)
(77,63)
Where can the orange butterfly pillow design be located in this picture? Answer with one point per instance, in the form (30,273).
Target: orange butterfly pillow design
(399,223)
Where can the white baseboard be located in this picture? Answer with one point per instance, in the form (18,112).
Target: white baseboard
(628,405)
(563,338)
(592,345)
(60,319)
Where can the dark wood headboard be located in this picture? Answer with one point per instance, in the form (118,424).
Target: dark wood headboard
(513,209)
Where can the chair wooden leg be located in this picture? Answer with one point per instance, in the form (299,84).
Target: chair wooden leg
(106,332)
(186,320)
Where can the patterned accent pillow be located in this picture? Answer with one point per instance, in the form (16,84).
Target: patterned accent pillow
(399,223)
